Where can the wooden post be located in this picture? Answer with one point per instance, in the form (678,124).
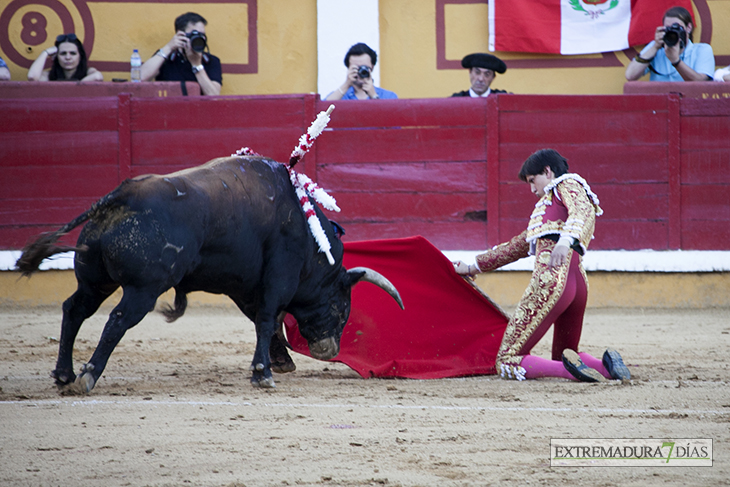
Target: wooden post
(493,220)
(674,169)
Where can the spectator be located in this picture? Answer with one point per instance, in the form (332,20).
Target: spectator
(674,61)
(722,74)
(360,61)
(69,62)
(481,74)
(558,234)
(181,60)
(4,71)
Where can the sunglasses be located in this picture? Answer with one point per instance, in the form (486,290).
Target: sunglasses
(66,37)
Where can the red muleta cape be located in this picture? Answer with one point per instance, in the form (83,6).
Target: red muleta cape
(448,328)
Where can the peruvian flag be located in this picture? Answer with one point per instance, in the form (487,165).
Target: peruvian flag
(575,26)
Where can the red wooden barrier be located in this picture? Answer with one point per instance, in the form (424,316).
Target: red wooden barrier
(607,140)
(706,90)
(704,166)
(408,167)
(68,89)
(442,168)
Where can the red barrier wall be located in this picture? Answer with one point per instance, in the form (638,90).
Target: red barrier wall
(688,89)
(442,168)
(68,89)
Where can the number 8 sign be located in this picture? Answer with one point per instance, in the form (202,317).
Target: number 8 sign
(30,27)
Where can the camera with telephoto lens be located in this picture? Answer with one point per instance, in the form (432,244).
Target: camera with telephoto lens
(363,72)
(198,41)
(674,34)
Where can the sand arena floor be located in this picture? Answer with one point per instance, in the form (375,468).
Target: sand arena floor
(175,407)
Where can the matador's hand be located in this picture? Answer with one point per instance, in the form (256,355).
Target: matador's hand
(559,256)
(463,269)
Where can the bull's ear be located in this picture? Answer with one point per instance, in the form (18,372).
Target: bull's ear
(339,231)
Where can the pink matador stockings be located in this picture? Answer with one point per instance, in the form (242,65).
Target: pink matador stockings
(567,316)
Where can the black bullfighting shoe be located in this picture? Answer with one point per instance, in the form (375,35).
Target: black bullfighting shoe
(615,365)
(579,370)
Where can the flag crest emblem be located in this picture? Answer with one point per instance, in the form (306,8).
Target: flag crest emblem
(593,13)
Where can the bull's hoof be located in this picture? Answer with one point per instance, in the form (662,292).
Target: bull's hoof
(263,382)
(281,362)
(73,389)
(85,383)
(81,385)
(283,367)
(63,377)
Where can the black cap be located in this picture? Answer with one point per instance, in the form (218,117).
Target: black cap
(486,61)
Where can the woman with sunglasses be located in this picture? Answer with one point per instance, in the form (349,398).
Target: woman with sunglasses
(69,62)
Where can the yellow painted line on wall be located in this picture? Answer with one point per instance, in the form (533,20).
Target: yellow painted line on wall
(607,289)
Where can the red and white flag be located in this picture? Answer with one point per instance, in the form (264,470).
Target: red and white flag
(575,26)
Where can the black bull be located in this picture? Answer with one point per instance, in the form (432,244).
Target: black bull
(232,226)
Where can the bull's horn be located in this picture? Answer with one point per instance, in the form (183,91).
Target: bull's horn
(379,280)
(280,330)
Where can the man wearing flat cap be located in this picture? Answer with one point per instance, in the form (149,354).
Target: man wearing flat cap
(482,68)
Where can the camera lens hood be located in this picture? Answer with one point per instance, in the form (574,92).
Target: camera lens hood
(363,72)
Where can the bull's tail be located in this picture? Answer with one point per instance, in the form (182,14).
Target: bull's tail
(181,303)
(45,246)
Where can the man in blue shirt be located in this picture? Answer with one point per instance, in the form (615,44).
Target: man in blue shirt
(4,71)
(681,61)
(360,61)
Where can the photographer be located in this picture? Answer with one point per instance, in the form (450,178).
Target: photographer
(184,57)
(360,61)
(672,56)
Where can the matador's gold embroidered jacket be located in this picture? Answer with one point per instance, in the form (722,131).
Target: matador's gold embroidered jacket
(549,219)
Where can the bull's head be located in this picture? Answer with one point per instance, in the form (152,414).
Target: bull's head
(322,325)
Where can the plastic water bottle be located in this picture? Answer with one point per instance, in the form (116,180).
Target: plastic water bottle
(136,63)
